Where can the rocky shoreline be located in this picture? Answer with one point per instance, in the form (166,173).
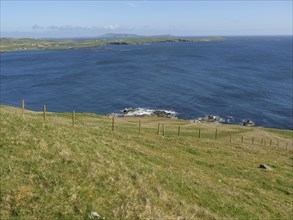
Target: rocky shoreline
(144,112)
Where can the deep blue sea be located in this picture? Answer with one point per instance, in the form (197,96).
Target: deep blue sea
(239,78)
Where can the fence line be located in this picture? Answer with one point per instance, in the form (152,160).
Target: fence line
(262,141)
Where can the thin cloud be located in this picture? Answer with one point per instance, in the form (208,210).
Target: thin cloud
(37,27)
(71,28)
(67,28)
(112,27)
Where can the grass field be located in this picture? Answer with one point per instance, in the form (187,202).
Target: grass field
(53,170)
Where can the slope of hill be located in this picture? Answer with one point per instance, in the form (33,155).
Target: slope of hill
(53,170)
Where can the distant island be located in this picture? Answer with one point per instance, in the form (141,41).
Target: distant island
(18,44)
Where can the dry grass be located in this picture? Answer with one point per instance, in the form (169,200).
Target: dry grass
(51,170)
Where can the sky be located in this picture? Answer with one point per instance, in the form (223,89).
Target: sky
(181,18)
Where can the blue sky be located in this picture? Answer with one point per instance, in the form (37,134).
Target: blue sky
(182,18)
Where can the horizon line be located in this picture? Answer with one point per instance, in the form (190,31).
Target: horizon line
(156,35)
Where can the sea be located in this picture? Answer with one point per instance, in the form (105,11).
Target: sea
(240,78)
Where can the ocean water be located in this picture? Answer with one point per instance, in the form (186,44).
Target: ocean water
(236,79)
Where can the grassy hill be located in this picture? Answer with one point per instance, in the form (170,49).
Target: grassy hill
(53,170)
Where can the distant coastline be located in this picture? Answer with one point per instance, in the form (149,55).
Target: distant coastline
(24,44)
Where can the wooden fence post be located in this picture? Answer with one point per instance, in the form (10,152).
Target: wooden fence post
(139,125)
(44,112)
(262,141)
(242,139)
(73,118)
(271,142)
(158,130)
(199,133)
(277,143)
(163,130)
(230,138)
(113,123)
(179,130)
(216,134)
(22,107)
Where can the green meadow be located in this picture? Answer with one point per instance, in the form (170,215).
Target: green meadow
(54,170)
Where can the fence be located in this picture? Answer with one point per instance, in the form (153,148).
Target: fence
(185,130)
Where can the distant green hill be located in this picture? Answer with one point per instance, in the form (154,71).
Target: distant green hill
(15,44)
(53,170)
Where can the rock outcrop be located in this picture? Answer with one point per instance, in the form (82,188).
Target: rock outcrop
(248,123)
(161,113)
(210,119)
(264,166)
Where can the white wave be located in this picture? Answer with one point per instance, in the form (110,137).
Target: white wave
(222,120)
(146,112)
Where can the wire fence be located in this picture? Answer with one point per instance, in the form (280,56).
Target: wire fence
(163,127)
